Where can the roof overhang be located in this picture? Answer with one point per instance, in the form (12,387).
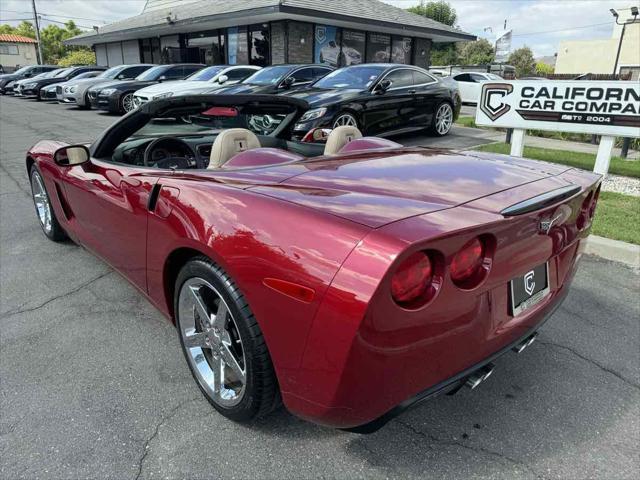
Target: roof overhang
(262,15)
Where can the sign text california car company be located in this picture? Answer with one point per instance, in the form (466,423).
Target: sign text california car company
(606,108)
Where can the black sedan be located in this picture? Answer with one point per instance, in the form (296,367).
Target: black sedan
(380,99)
(117,97)
(24,72)
(277,79)
(32,89)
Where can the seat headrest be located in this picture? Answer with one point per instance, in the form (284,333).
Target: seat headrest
(229,143)
(339,137)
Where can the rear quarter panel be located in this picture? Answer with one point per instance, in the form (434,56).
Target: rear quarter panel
(253,237)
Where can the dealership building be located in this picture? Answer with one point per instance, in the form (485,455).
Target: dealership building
(267,32)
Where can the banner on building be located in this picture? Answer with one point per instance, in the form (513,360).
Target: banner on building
(598,107)
(327,48)
(503,47)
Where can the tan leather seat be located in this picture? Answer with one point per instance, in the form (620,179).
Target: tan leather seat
(339,137)
(229,143)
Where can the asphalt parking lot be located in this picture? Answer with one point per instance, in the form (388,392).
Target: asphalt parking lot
(94,385)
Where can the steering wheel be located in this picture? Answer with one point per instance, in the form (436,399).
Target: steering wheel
(158,154)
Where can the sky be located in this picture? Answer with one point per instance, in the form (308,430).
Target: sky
(539,24)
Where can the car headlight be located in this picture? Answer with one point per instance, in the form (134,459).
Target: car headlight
(30,85)
(162,95)
(108,91)
(313,114)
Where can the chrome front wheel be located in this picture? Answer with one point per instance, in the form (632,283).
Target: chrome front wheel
(41,201)
(44,209)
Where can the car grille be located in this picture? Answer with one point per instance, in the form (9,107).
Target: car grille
(93,95)
(137,100)
(58,89)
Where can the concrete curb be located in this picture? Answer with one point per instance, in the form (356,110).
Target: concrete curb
(615,250)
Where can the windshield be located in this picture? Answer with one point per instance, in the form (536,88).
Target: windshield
(152,74)
(87,75)
(360,77)
(112,72)
(63,73)
(268,76)
(22,70)
(492,76)
(205,74)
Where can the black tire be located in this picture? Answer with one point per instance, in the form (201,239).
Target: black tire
(54,232)
(433,128)
(262,394)
(87,103)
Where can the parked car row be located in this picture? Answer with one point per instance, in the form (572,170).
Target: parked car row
(377,98)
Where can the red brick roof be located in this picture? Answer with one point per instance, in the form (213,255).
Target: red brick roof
(8,37)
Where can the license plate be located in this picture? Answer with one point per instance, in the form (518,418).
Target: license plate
(529,289)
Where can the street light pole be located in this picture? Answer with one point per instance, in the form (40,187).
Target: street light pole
(37,25)
(626,141)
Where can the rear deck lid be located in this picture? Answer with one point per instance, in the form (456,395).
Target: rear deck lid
(395,185)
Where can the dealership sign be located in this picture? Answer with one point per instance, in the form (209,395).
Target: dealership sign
(596,107)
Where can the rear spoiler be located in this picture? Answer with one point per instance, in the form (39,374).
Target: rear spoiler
(541,201)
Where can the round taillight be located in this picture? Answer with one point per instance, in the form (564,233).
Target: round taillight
(467,263)
(412,278)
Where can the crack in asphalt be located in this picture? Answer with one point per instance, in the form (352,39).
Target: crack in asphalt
(156,431)
(20,310)
(618,375)
(14,180)
(477,449)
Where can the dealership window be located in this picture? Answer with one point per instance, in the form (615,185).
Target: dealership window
(422,52)
(353,46)
(9,49)
(401,50)
(300,42)
(237,46)
(150,50)
(259,44)
(327,45)
(206,47)
(378,48)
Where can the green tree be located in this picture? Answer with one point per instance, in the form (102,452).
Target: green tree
(522,59)
(440,11)
(24,29)
(479,52)
(52,37)
(78,57)
(543,69)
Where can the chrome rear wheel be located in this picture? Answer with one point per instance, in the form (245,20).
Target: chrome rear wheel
(443,119)
(212,342)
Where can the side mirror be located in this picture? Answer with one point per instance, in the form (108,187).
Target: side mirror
(162,78)
(223,79)
(383,86)
(71,155)
(288,82)
(28,75)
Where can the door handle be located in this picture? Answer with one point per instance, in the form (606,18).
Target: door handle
(412,91)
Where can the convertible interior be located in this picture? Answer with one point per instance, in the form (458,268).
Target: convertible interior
(222,133)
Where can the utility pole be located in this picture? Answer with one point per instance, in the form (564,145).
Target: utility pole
(37,25)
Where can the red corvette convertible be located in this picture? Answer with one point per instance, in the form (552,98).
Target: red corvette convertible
(349,279)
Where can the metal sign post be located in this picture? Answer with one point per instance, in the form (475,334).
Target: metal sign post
(604,154)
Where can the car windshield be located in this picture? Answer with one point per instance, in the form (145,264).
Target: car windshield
(86,75)
(23,70)
(63,73)
(112,72)
(360,77)
(152,74)
(205,74)
(268,76)
(492,76)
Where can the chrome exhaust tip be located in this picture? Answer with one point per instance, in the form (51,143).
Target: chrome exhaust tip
(479,376)
(525,343)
